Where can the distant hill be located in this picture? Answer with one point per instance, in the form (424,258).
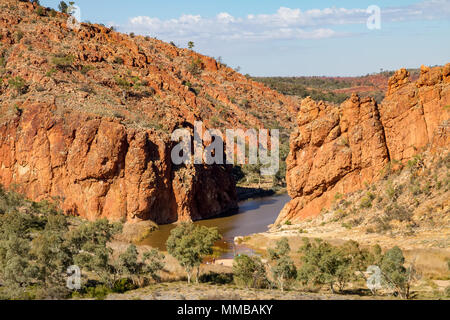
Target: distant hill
(334,89)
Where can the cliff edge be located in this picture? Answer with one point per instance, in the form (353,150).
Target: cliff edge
(339,149)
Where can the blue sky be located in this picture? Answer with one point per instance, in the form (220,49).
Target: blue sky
(290,38)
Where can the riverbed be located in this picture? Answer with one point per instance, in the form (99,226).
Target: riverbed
(253,216)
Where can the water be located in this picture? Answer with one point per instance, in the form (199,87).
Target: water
(254,216)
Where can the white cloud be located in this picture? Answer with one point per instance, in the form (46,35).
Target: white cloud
(225,17)
(285,23)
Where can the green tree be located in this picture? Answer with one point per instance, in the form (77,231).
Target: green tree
(283,270)
(33,251)
(323,263)
(52,256)
(89,241)
(191,45)
(395,275)
(137,269)
(63,7)
(16,273)
(40,11)
(357,260)
(38,243)
(249,272)
(189,244)
(153,263)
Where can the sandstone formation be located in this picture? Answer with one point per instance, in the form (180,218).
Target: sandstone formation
(86,116)
(338,149)
(98,168)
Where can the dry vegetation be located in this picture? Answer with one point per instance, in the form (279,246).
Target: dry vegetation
(409,208)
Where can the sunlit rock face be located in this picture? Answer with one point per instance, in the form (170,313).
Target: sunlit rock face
(340,149)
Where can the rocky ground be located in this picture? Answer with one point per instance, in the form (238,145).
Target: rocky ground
(183,291)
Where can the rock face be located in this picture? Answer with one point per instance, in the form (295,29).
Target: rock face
(336,150)
(86,116)
(98,168)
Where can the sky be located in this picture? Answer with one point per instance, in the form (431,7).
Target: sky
(290,38)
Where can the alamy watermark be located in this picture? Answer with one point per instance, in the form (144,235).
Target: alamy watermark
(241,147)
(374,281)
(74,20)
(208,146)
(74,278)
(374,20)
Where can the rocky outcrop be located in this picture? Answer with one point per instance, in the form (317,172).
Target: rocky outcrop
(86,115)
(96,167)
(416,115)
(338,149)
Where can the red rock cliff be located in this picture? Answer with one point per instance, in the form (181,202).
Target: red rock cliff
(86,114)
(98,168)
(338,149)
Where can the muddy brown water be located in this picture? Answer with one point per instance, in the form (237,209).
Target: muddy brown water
(253,216)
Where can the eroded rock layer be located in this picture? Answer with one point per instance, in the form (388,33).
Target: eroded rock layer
(86,116)
(98,168)
(338,149)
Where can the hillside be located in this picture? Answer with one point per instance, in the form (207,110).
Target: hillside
(86,117)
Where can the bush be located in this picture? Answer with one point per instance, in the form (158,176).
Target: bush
(86,69)
(415,187)
(18,84)
(38,243)
(99,292)
(338,196)
(123,285)
(395,275)
(216,278)
(189,244)
(195,67)
(40,11)
(63,62)
(19,35)
(397,212)
(381,225)
(63,7)
(118,60)
(249,272)
(447,292)
(393,192)
(34,253)
(283,270)
(416,164)
(366,201)
(138,269)
(322,264)
(51,72)
(325,264)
